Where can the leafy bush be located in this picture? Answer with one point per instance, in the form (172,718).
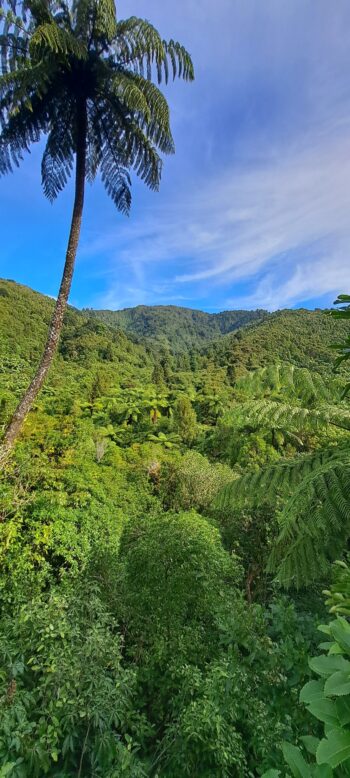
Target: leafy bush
(174,573)
(328,697)
(192,482)
(66,703)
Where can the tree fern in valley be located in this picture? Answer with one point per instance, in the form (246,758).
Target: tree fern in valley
(310,490)
(72,72)
(343,312)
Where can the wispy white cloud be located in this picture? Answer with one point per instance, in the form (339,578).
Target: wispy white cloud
(254,207)
(280,225)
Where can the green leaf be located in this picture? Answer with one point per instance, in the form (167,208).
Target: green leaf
(324,710)
(335,649)
(6,769)
(313,690)
(337,684)
(327,665)
(310,743)
(327,646)
(322,771)
(334,749)
(340,630)
(296,761)
(324,628)
(343,710)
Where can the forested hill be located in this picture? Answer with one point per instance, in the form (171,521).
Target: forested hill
(87,345)
(131,339)
(179,328)
(251,338)
(300,337)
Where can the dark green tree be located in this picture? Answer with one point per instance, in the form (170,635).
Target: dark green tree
(73,73)
(158,376)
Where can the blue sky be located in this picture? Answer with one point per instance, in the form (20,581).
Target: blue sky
(254,209)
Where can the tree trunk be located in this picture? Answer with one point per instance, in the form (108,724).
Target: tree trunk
(26,403)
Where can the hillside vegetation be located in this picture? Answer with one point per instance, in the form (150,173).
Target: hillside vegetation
(175,327)
(168,521)
(300,337)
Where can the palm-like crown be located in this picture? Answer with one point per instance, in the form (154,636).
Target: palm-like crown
(56,56)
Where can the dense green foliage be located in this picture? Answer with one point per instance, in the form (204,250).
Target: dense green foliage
(157,504)
(177,328)
(299,337)
(328,697)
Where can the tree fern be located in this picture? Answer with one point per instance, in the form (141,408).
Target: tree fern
(74,73)
(65,49)
(290,381)
(311,491)
(278,415)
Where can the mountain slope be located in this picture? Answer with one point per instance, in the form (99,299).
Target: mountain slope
(87,345)
(301,337)
(176,327)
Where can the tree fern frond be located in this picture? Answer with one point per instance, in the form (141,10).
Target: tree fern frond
(113,159)
(40,11)
(343,348)
(304,561)
(22,128)
(312,490)
(288,380)
(140,45)
(83,15)
(127,90)
(267,483)
(317,517)
(130,147)
(13,43)
(105,25)
(181,61)
(144,158)
(18,88)
(52,38)
(153,106)
(277,415)
(117,183)
(58,157)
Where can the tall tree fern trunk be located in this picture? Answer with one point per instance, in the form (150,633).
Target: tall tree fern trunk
(27,401)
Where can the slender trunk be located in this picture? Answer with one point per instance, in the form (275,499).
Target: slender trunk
(26,403)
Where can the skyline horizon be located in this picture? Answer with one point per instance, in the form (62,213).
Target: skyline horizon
(212,312)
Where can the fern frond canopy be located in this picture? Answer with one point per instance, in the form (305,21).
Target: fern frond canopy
(278,415)
(311,492)
(56,55)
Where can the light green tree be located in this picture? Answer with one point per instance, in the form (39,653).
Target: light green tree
(185,420)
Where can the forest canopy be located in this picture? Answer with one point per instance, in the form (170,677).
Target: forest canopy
(169,520)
